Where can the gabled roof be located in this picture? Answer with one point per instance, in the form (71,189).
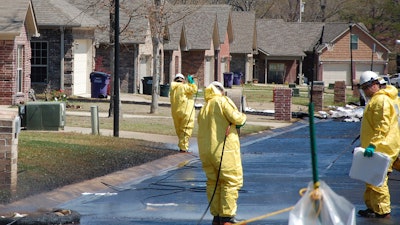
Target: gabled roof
(133,19)
(279,38)
(244,30)
(56,13)
(223,16)
(14,15)
(197,26)
(333,31)
(200,29)
(174,22)
(184,18)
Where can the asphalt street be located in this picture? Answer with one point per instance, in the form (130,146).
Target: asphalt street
(276,164)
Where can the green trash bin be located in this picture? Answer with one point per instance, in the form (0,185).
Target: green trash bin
(295,92)
(164,90)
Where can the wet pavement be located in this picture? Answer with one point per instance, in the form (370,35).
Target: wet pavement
(276,164)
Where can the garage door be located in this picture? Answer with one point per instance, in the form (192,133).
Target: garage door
(364,67)
(336,72)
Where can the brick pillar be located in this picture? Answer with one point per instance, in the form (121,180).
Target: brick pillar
(318,97)
(8,152)
(356,92)
(283,103)
(339,93)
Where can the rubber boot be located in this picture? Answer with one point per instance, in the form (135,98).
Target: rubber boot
(229,220)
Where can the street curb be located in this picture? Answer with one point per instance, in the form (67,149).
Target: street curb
(54,198)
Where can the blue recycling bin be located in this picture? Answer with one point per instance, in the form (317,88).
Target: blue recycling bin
(237,78)
(100,82)
(228,79)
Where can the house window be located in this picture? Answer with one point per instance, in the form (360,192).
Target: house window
(20,67)
(39,61)
(354,42)
(276,73)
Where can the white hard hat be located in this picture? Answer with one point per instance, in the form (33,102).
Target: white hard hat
(368,76)
(219,86)
(179,76)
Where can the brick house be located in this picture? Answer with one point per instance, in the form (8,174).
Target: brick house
(282,48)
(63,54)
(135,42)
(348,50)
(316,51)
(204,41)
(17,26)
(244,45)
(199,43)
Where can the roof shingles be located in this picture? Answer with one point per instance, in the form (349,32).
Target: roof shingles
(278,38)
(13,13)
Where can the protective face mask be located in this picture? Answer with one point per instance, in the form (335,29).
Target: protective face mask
(362,93)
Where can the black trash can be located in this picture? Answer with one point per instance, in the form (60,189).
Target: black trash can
(164,90)
(228,79)
(100,84)
(147,85)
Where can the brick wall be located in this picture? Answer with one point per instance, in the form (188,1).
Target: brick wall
(341,50)
(126,65)
(283,103)
(339,93)
(193,63)
(22,97)
(8,70)
(8,153)
(318,97)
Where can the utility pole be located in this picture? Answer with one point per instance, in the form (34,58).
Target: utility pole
(116,70)
(301,9)
(372,56)
(351,54)
(323,6)
(397,57)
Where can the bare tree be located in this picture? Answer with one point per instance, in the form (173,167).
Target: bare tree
(157,28)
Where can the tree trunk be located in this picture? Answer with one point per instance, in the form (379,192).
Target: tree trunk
(157,29)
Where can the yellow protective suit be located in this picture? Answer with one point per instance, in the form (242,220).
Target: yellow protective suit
(215,117)
(380,128)
(182,110)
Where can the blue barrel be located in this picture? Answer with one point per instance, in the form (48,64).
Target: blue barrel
(100,82)
(228,79)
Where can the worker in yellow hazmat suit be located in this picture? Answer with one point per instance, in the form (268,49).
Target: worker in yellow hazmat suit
(392,89)
(182,108)
(380,133)
(218,140)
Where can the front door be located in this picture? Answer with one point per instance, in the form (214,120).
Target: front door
(81,77)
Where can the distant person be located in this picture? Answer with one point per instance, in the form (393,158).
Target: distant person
(379,133)
(182,109)
(219,151)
